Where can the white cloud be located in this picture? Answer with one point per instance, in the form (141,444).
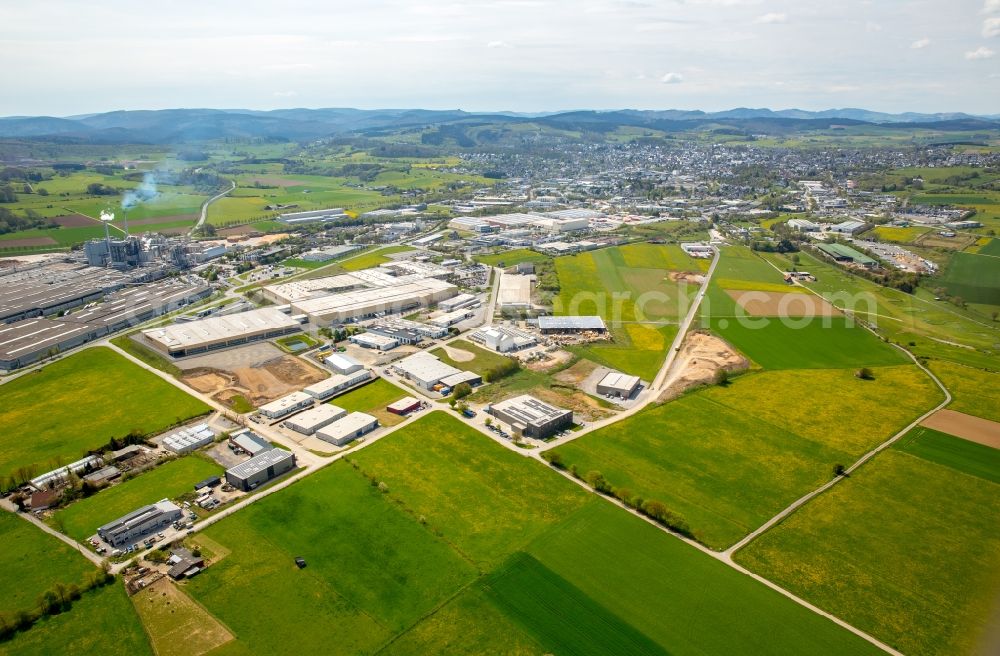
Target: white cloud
(284,94)
(991,27)
(672,78)
(497,44)
(991,6)
(980,53)
(771,18)
(872,26)
(920,43)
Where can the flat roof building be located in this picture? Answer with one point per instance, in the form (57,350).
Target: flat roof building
(286,405)
(374,341)
(220,332)
(365,303)
(189,439)
(348,429)
(342,364)
(249,441)
(424,369)
(530,416)
(260,469)
(140,523)
(842,253)
(515,291)
(311,420)
(404,405)
(617,384)
(337,383)
(549,325)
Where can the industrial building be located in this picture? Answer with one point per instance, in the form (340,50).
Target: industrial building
(58,476)
(342,364)
(313,216)
(697,249)
(618,385)
(311,420)
(571,325)
(348,429)
(460,301)
(470,377)
(398,333)
(34,338)
(403,406)
(374,341)
(515,292)
(425,370)
(188,439)
(140,523)
(249,441)
(260,469)
(530,416)
(330,252)
(504,340)
(286,405)
(846,254)
(366,303)
(204,335)
(336,384)
(451,318)
(803,225)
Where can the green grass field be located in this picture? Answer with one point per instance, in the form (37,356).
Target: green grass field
(437,466)
(43,424)
(483,360)
(973,277)
(738,266)
(102,621)
(33,561)
(897,234)
(511,257)
(906,549)
(81,519)
(373,259)
(372,399)
(558,615)
(975,391)
(630,287)
(727,459)
(673,593)
(807,343)
(961,455)
(991,248)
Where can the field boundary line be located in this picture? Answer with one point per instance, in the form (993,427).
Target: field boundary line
(724,558)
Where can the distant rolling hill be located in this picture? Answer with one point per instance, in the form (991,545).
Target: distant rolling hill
(190,125)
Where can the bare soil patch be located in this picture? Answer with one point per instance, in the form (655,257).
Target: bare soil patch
(74,221)
(968,427)
(774,304)
(583,406)
(552,360)
(28,241)
(576,374)
(238,230)
(459,355)
(686,276)
(701,355)
(259,383)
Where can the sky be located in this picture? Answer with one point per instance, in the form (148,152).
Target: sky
(64,57)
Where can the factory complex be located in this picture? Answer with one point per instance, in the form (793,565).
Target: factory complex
(212,333)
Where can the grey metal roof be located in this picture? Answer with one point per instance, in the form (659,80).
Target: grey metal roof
(260,462)
(579,323)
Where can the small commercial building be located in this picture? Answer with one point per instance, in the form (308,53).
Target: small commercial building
(103,475)
(311,420)
(286,405)
(139,524)
(57,477)
(571,325)
(451,318)
(374,341)
(342,364)
(470,377)
(249,441)
(424,370)
(334,385)
(404,406)
(619,385)
(504,340)
(188,439)
(460,301)
(531,417)
(697,249)
(260,469)
(346,430)
(184,564)
(400,334)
